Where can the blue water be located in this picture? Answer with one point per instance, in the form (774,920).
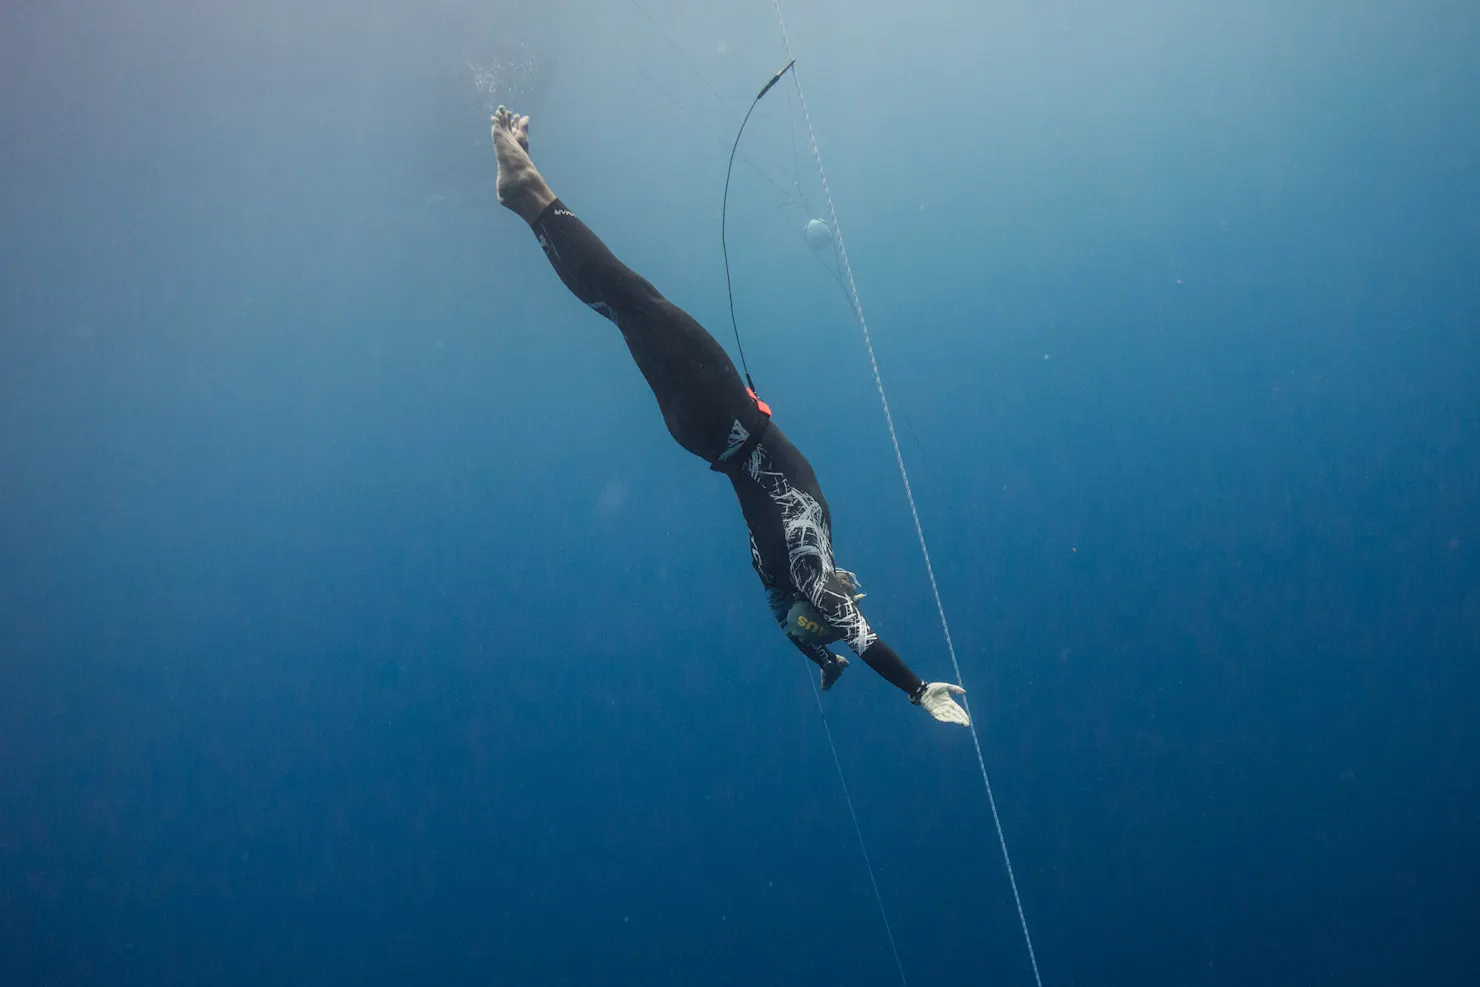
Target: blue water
(360,623)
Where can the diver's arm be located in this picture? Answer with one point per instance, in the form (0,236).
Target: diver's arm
(937,698)
(838,604)
(886,661)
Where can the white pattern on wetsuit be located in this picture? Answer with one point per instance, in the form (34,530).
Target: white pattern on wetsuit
(738,436)
(605,309)
(809,552)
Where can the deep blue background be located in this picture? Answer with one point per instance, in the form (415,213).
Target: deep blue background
(359,623)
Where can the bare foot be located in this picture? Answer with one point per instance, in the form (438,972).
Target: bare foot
(520,187)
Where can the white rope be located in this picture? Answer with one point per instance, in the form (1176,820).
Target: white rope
(909,494)
(858,829)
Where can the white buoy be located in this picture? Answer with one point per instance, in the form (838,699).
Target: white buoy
(818,235)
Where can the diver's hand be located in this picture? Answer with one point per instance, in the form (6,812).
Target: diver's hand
(832,672)
(938,703)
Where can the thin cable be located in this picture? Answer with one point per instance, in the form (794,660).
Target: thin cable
(858,829)
(724,213)
(712,91)
(909,493)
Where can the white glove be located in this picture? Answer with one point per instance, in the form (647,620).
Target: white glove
(938,703)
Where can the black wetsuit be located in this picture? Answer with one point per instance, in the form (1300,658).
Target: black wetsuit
(712,414)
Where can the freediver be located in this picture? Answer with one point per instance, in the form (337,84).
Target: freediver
(711,413)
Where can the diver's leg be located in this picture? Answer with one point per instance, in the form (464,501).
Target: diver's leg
(587,266)
(704,402)
(520,187)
